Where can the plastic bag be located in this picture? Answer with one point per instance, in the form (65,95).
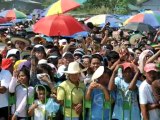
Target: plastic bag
(52,106)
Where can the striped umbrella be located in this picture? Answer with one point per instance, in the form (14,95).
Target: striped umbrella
(148,17)
(13,14)
(61,6)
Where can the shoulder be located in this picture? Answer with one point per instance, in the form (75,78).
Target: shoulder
(5,72)
(143,85)
(64,83)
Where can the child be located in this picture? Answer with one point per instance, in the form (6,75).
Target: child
(19,80)
(95,93)
(125,85)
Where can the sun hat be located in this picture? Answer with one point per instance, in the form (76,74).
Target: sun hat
(98,73)
(150,67)
(6,63)
(26,41)
(74,68)
(79,51)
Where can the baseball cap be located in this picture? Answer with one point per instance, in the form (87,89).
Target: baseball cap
(150,67)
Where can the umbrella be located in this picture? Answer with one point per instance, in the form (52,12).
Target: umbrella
(61,6)
(98,19)
(3,20)
(58,25)
(141,27)
(148,17)
(134,39)
(13,14)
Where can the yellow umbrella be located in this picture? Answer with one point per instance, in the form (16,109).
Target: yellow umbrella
(61,6)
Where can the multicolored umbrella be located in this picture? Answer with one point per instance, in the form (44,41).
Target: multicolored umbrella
(13,14)
(58,25)
(141,27)
(148,17)
(61,6)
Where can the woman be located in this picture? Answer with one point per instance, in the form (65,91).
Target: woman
(73,75)
(20,86)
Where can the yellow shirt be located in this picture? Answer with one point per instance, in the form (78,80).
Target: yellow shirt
(77,95)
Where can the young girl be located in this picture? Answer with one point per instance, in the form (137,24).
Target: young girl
(125,86)
(43,107)
(20,86)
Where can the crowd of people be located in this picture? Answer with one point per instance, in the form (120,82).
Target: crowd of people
(61,75)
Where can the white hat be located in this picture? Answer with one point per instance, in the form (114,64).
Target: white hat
(98,73)
(42,61)
(74,67)
(12,52)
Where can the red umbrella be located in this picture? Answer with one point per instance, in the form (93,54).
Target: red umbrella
(4,20)
(58,25)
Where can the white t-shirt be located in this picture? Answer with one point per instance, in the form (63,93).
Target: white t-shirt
(5,78)
(146,97)
(40,112)
(61,70)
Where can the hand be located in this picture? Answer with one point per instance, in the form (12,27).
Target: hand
(123,54)
(117,67)
(45,78)
(34,105)
(78,108)
(15,73)
(14,117)
(93,85)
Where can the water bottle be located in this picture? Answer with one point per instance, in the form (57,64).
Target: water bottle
(120,72)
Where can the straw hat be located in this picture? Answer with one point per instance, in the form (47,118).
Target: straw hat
(26,41)
(98,73)
(74,68)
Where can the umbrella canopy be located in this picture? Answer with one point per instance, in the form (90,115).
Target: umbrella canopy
(148,17)
(141,27)
(58,25)
(134,39)
(98,19)
(61,6)
(3,20)
(13,14)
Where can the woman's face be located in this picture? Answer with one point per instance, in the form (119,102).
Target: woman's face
(86,62)
(22,78)
(95,63)
(137,53)
(39,55)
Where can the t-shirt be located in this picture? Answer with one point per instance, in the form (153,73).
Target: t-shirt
(5,78)
(39,112)
(97,105)
(122,95)
(146,97)
(77,95)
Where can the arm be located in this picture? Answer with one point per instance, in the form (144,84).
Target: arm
(2,89)
(89,91)
(13,85)
(155,56)
(105,91)
(31,109)
(104,40)
(132,85)
(153,106)
(144,111)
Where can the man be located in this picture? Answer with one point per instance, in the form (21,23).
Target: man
(149,108)
(20,43)
(5,77)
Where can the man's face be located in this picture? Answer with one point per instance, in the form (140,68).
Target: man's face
(20,45)
(95,63)
(151,76)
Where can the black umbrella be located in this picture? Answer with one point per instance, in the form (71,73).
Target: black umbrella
(141,27)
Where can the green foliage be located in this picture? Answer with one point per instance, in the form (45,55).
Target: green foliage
(106,6)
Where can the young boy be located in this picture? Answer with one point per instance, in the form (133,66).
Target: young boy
(97,92)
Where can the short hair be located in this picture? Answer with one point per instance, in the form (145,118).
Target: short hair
(1,57)
(107,71)
(113,55)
